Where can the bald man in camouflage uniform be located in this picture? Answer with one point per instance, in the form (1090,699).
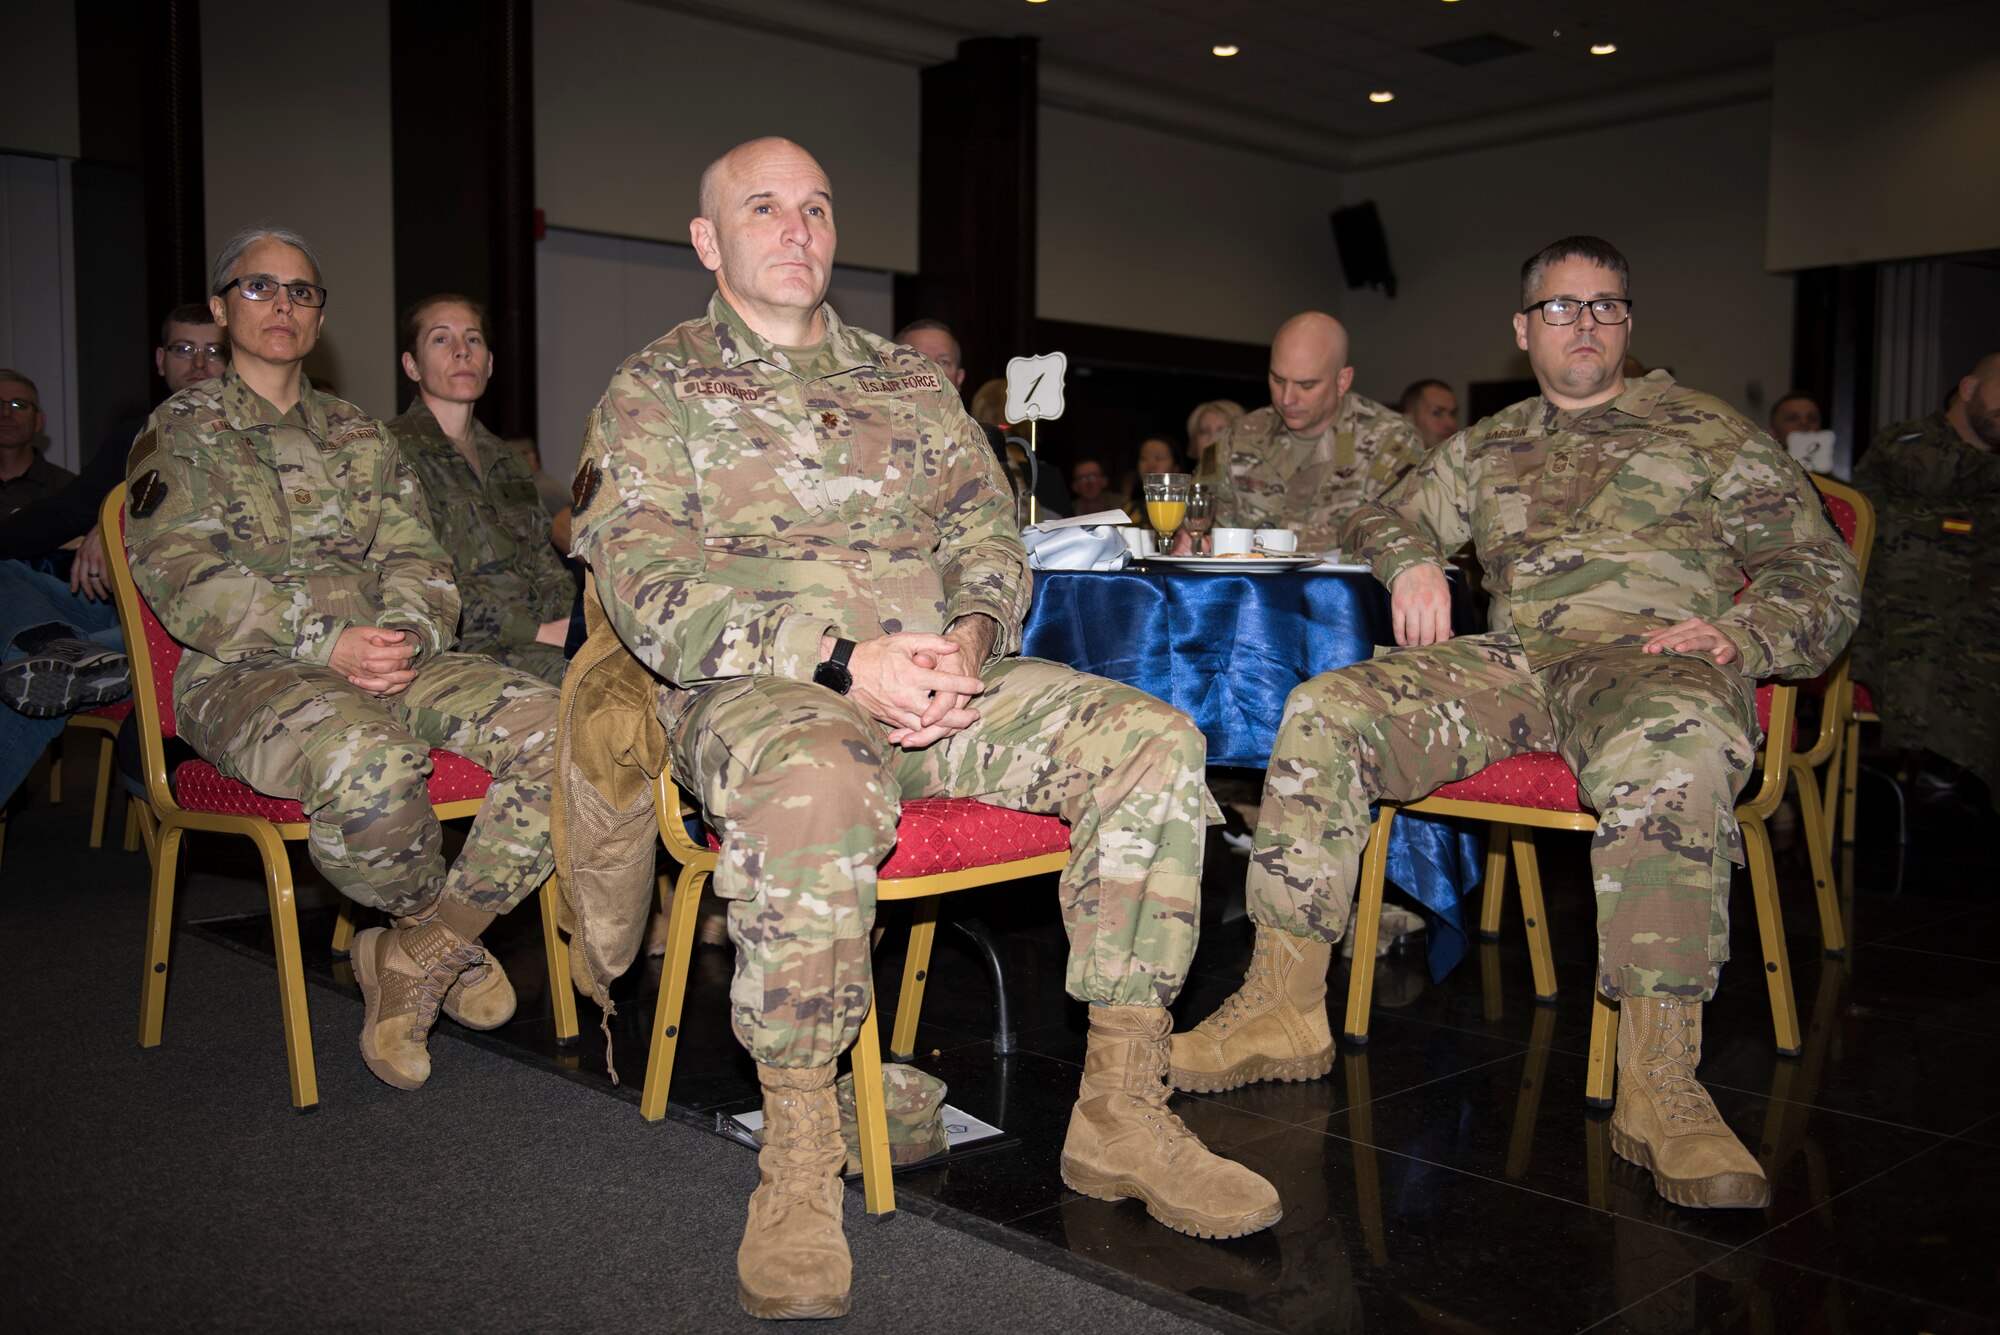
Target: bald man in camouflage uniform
(1319,450)
(276,532)
(796,525)
(1616,522)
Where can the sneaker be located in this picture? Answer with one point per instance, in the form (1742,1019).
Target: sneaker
(64,675)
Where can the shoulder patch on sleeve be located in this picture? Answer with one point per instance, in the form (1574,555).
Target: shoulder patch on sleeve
(143,446)
(583,490)
(146,494)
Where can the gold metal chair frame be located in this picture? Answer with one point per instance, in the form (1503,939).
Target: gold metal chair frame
(1838,745)
(697,864)
(1515,822)
(270,839)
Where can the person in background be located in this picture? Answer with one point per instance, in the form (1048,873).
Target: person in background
(1431,407)
(60,646)
(1797,411)
(1318,451)
(1929,644)
(1156,455)
(277,533)
(24,474)
(1208,423)
(1088,482)
(514,593)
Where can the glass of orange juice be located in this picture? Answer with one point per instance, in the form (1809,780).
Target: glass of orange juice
(1166,503)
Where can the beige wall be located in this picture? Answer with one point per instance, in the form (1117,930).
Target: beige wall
(631,102)
(1682,196)
(1144,230)
(1884,140)
(310,151)
(38,94)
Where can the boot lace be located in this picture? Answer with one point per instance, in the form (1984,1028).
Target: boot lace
(1170,1132)
(1682,1098)
(1258,983)
(435,981)
(811,1123)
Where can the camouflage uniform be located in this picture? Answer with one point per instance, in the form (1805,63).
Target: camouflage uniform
(258,538)
(1592,527)
(493,527)
(735,510)
(1276,479)
(1929,648)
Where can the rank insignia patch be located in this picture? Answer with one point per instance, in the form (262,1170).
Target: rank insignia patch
(147,494)
(584,489)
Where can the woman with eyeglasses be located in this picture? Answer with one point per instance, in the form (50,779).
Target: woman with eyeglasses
(514,592)
(277,533)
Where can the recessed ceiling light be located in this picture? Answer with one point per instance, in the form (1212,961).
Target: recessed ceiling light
(1382,97)
(1224,49)
(1603,48)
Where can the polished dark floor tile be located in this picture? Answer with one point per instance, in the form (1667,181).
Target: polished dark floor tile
(1925,1230)
(1380,1242)
(1755,1295)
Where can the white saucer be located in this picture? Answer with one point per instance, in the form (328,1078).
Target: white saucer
(1246,565)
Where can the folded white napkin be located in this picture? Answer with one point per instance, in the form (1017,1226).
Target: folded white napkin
(1095,547)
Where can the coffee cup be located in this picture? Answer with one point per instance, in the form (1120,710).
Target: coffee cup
(1277,541)
(1232,541)
(1138,541)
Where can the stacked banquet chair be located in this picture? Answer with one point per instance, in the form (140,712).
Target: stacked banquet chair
(198,797)
(1539,789)
(942,845)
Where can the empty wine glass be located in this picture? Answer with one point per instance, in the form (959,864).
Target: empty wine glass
(1166,503)
(1200,514)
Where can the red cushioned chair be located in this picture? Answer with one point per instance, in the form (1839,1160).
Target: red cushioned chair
(1539,789)
(201,797)
(942,845)
(1835,745)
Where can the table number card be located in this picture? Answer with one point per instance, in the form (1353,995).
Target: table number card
(1035,387)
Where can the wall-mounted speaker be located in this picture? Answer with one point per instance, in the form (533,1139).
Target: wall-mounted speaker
(1364,251)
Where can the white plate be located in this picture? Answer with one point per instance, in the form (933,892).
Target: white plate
(1247,565)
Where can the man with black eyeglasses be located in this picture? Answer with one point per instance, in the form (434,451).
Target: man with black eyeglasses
(60,647)
(1617,523)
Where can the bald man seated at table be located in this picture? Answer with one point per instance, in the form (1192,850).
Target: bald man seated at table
(1320,450)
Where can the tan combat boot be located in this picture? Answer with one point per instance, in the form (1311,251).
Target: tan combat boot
(794,1261)
(1664,1121)
(1124,1143)
(1274,1027)
(404,973)
(483,996)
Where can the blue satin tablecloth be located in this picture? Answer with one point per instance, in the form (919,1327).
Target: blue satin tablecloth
(1226,649)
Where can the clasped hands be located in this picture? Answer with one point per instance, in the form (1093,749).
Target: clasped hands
(375,659)
(921,686)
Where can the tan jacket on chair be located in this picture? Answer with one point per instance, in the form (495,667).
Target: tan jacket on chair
(610,748)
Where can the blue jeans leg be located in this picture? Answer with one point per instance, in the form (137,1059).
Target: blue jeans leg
(32,598)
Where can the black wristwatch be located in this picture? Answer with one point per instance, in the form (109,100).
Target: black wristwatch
(833,673)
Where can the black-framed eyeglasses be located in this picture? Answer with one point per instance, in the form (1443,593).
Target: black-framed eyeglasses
(21,405)
(1566,310)
(183,351)
(263,287)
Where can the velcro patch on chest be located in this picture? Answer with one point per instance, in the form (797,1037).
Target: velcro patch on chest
(1507,433)
(714,387)
(147,494)
(903,384)
(353,434)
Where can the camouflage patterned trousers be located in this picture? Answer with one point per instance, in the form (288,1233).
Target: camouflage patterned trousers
(804,790)
(546,661)
(1661,745)
(358,764)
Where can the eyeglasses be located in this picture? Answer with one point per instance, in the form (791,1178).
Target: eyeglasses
(1565,310)
(263,287)
(21,405)
(183,351)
